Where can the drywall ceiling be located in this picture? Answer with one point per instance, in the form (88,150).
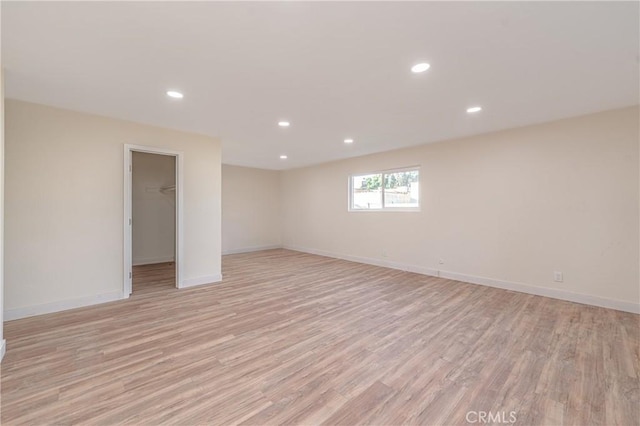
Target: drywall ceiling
(334,70)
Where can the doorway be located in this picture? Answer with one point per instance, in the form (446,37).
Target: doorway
(152,228)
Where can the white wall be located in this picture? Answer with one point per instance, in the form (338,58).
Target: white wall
(504,209)
(64,206)
(251,203)
(154,210)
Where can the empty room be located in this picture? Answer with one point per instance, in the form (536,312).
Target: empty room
(320,213)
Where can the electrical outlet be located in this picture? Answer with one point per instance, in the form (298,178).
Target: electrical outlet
(441,261)
(557,276)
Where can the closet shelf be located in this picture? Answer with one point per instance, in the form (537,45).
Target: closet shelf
(168,189)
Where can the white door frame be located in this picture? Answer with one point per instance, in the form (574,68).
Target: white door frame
(128,212)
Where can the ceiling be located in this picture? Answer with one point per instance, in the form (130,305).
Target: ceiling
(334,70)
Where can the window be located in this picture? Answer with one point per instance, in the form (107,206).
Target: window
(391,190)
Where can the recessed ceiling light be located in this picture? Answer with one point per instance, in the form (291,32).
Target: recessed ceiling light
(283,157)
(474,109)
(284,124)
(348,141)
(174,94)
(422,67)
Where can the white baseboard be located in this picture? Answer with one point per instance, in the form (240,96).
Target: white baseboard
(369,261)
(3,348)
(62,305)
(553,293)
(250,249)
(153,260)
(192,282)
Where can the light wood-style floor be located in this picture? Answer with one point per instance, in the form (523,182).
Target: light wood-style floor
(292,338)
(158,277)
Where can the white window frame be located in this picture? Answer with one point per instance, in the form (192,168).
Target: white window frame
(383,173)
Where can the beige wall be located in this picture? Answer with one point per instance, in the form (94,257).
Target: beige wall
(2,342)
(64,206)
(154,209)
(504,209)
(251,216)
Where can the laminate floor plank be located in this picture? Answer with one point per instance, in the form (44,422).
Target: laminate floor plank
(298,339)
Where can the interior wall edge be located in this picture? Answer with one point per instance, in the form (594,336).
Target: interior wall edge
(209,279)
